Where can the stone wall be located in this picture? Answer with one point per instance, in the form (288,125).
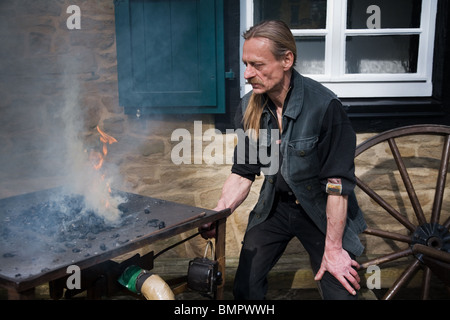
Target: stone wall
(52,78)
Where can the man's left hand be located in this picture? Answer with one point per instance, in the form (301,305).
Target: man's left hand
(342,267)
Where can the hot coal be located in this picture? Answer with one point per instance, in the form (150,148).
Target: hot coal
(153,223)
(44,232)
(123,207)
(48,229)
(65,220)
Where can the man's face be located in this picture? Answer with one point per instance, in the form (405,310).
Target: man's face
(263,71)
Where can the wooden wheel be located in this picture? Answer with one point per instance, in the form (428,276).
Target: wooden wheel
(422,238)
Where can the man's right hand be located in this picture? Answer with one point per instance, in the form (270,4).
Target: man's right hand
(234,192)
(207,230)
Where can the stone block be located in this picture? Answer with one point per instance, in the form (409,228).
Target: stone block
(150,147)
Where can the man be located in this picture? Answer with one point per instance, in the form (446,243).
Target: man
(311,195)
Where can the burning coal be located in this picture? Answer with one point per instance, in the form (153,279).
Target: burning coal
(66,218)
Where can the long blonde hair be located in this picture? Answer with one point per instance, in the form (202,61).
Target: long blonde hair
(282,41)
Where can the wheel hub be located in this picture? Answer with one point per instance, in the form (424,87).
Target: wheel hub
(432,235)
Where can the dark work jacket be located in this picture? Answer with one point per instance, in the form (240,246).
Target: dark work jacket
(302,121)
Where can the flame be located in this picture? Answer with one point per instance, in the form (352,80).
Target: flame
(97,159)
(97,156)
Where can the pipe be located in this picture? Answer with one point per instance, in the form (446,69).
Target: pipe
(150,285)
(155,288)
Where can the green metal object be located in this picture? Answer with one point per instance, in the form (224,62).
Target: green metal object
(129,277)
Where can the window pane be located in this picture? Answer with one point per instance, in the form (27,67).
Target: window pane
(298,14)
(393,14)
(382,54)
(310,55)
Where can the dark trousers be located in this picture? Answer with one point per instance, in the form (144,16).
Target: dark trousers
(265,243)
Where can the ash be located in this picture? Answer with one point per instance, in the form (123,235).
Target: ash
(65,219)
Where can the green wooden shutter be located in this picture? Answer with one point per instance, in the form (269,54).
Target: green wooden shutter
(170,56)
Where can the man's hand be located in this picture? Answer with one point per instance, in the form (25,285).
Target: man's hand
(208,230)
(340,265)
(335,259)
(235,190)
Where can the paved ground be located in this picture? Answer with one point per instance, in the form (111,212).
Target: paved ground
(438,292)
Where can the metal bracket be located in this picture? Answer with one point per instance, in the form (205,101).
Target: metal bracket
(230,75)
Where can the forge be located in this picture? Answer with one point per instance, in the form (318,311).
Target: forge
(44,232)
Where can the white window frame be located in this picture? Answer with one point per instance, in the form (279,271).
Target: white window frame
(417,84)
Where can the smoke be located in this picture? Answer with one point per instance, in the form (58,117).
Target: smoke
(47,135)
(83,162)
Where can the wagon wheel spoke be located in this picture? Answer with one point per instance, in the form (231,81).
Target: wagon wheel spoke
(388,235)
(426,283)
(447,223)
(402,280)
(407,181)
(378,199)
(387,258)
(432,252)
(440,185)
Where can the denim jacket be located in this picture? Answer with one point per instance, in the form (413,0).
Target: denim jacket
(302,120)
